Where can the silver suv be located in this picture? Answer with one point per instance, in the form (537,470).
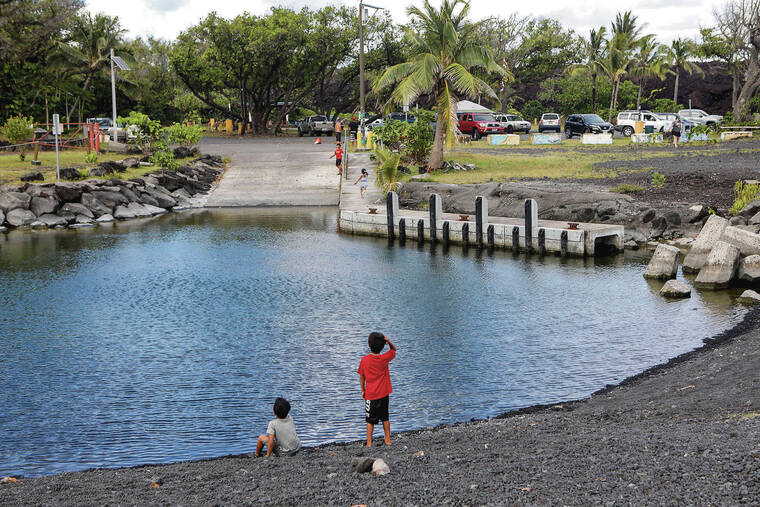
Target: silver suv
(549,121)
(513,123)
(626,122)
(700,117)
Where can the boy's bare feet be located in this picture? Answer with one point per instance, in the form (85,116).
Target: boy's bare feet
(387,442)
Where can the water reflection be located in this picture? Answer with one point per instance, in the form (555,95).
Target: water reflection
(168,339)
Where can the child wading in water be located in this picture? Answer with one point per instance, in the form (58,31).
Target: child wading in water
(363,178)
(338,154)
(281,438)
(375,380)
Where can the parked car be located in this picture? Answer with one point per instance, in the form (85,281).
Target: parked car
(700,117)
(376,123)
(578,124)
(479,124)
(549,121)
(626,121)
(407,117)
(315,125)
(686,124)
(513,123)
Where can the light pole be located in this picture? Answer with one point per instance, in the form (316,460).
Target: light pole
(121,64)
(362,8)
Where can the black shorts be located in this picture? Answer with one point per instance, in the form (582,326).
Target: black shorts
(376,410)
(338,162)
(337,136)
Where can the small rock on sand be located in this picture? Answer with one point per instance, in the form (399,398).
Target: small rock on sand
(380,467)
(675,289)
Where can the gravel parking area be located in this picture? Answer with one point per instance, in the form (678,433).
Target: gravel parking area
(686,432)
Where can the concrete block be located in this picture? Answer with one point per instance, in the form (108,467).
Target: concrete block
(596,139)
(710,234)
(749,269)
(546,139)
(746,241)
(504,139)
(664,263)
(720,267)
(727,136)
(675,289)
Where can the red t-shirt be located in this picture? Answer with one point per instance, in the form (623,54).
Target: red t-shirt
(339,154)
(377,378)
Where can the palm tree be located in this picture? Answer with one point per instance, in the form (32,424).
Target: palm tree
(594,49)
(650,61)
(86,52)
(445,53)
(616,65)
(679,53)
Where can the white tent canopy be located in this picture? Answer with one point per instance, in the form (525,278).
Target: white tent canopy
(465,106)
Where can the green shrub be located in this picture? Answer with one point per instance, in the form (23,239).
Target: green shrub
(658,180)
(91,158)
(165,159)
(17,130)
(148,135)
(626,188)
(388,174)
(419,138)
(393,134)
(701,129)
(744,194)
(186,135)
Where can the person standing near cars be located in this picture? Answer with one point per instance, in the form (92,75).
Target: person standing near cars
(338,130)
(675,129)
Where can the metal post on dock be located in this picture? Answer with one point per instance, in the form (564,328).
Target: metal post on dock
(420,231)
(481,218)
(491,236)
(402,230)
(542,241)
(466,234)
(515,239)
(436,212)
(445,233)
(531,221)
(391,200)
(563,243)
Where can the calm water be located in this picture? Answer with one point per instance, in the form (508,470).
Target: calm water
(169,340)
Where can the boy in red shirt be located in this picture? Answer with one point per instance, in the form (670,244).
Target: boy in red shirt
(375,380)
(338,154)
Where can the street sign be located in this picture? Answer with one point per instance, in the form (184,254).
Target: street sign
(57,130)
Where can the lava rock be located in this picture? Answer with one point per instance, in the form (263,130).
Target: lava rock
(111,199)
(138,210)
(83,219)
(77,209)
(154,210)
(648,216)
(47,190)
(739,220)
(673,217)
(129,194)
(749,269)
(362,465)
(749,297)
(23,197)
(130,162)
(675,289)
(659,226)
(2,218)
(113,167)
(163,199)
(631,245)
(750,209)
(105,218)
(51,220)
(70,173)
(184,152)
(68,192)
(696,213)
(42,205)
(584,214)
(33,176)
(94,205)
(20,217)
(123,213)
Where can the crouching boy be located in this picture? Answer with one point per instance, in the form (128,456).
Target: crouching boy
(281,438)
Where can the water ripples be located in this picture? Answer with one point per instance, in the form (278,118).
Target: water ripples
(169,340)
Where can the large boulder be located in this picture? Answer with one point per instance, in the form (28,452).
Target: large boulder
(675,289)
(745,240)
(25,198)
(146,198)
(9,201)
(70,173)
(47,190)
(163,199)
(659,226)
(719,268)
(212,160)
(123,213)
(138,210)
(154,210)
(51,220)
(112,167)
(131,162)
(68,192)
(43,205)
(664,263)
(105,218)
(111,199)
(2,217)
(78,209)
(710,234)
(129,194)
(750,209)
(184,152)
(696,213)
(749,269)
(749,297)
(20,217)
(33,176)
(96,206)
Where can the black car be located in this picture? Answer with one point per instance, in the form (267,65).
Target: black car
(578,124)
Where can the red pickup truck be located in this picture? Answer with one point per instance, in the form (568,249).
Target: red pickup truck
(479,125)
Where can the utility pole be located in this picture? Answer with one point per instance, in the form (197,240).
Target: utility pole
(113,100)
(361,62)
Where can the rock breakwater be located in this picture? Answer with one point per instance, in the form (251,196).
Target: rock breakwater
(85,203)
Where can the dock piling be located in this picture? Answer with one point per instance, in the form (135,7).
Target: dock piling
(531,221)
(436,212)
(481,218)
(402,230)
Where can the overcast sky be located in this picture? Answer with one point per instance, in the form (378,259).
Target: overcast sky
(666,18)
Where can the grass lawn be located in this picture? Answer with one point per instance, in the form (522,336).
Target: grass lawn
(569,160)
(11,168)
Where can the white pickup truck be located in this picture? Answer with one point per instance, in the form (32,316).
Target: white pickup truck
(315,125)
(513,123)
(700,117)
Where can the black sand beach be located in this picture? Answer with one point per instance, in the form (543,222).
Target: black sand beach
(685,432)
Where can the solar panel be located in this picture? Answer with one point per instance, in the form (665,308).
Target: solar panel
(121,64)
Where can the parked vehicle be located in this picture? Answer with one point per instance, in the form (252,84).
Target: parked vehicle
(409,118)
(479,124)
(626,122)
(578,124)
(700,117)
(376,123)
(549,121)
(512,123)
(686,124)
(314,125)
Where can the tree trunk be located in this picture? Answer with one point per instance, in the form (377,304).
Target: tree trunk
(612,103)
(675,87)
(593,92)
(751,76)
(436,154)
(638,98)
(734,88)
